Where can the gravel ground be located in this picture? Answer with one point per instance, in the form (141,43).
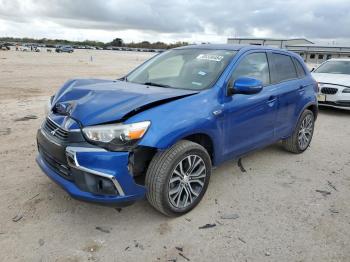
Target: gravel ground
(268,209)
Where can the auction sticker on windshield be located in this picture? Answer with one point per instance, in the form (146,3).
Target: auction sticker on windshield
(216,58)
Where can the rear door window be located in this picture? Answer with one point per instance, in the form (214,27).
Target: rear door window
(284,68)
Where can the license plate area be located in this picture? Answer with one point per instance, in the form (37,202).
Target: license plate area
(62,169)
(321,97)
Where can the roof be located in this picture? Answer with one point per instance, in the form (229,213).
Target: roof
(227,47)
(213,47)
(269,39)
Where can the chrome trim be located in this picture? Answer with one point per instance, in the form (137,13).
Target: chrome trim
(85,149)
(72,153)
(71,130)
(217,112)
(49,138)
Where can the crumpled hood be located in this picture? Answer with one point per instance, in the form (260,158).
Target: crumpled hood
(338,79)
(92,101)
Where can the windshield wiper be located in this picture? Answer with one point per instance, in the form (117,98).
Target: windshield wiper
(156,84)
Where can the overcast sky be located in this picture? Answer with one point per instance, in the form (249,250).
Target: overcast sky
(176,20)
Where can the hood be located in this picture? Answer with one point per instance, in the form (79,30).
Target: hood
(93,102)
(337,79)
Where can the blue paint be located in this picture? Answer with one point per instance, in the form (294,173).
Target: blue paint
(246,122)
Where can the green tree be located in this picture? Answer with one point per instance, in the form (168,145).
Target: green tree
(117,42)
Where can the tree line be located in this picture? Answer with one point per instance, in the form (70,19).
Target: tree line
(117,42)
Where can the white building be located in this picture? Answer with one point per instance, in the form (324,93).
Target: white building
(316,54)
(310,52)
(280,43)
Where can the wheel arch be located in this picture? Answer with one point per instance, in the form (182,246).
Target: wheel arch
(142,155)
(204,140)
(313,108)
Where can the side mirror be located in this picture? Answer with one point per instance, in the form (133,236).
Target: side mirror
(246,86)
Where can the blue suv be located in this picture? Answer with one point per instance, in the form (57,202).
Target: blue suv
(158,131)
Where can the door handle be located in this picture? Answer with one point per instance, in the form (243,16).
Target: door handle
(272,99)
(217,112)
(302,89)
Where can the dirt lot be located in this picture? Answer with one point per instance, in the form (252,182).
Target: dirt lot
(276,213)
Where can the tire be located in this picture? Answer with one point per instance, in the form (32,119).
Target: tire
(171,191)
(306,122)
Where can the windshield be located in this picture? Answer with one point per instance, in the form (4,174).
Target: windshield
(194,69)
(334,67)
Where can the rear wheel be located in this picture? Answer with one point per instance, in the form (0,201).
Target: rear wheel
(299,141)
(177,178)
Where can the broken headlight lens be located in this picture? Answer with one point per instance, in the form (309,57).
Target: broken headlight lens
(116,137)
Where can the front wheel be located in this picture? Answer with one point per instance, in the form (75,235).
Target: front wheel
(177,178)
(299,141)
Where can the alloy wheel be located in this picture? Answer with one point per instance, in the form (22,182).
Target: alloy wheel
(305,132)
(187,181)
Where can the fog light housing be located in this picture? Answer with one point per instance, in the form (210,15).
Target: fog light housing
(94,184)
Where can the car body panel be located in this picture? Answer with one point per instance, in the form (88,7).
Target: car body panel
(248,123)
(97,162)
(83,99)
(336,79)
(196,118)
(248,119)
(77,193)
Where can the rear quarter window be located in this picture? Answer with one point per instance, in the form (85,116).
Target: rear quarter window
(299,68)
(283,68)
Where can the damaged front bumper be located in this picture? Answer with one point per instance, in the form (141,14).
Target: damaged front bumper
(89,173)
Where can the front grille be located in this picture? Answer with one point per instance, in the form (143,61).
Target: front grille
(329,90)
(61,169)
(55,130)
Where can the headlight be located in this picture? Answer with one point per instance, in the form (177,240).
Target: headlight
(346,90)
(117,136)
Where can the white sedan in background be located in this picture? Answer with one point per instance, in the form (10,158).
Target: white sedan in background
(333,77)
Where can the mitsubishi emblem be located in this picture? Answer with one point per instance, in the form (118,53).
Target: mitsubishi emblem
(53,132)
